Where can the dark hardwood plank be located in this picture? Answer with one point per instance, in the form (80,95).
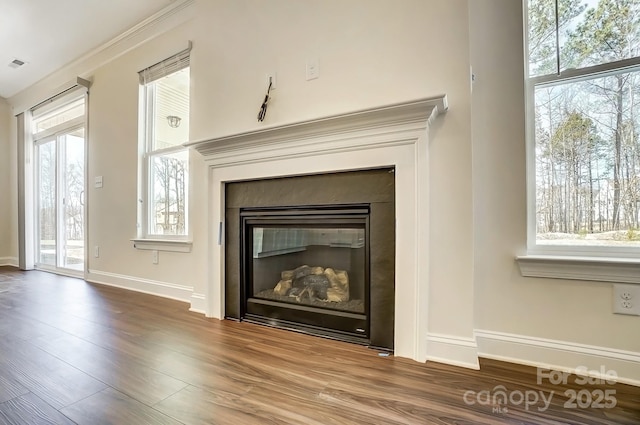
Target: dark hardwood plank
(10,388)
(195,406)
(48,377)
(110,407)
(62,321)
(24,327)
(168,359)
(310,407)
(28,409)
(143,383)
(105,355)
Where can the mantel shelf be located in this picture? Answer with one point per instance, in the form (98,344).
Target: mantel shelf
(400,116)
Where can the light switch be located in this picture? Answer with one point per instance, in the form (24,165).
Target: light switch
(97,181)
(313,69)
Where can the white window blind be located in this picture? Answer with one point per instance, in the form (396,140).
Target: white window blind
(64,110)
(166,67)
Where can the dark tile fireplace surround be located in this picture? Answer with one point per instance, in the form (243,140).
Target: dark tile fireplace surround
(344,204)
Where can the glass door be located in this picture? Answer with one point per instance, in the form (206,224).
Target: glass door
(60,195)
(46,190)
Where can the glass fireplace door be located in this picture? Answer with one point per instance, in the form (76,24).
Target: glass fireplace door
(310,271)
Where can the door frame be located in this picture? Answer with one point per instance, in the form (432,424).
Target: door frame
(28,232)
(75,88)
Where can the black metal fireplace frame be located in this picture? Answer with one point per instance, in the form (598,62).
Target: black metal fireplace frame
(338,324)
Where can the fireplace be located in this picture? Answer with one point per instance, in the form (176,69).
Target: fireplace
(314,253)
(307,269)
(391,136)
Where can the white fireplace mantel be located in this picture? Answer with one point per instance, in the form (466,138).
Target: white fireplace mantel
(389,136)
(317,135)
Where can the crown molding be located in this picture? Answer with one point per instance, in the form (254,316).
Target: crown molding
(171,16)
(156,19)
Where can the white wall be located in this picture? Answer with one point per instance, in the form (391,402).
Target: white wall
(113,154)
(7,192)
(575,313)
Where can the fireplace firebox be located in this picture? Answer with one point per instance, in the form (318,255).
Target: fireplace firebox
(314,253)
(307,268)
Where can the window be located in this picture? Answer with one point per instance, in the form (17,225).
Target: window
(164,162)
(583,94)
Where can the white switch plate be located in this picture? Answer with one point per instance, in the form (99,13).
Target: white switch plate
(313,69)
(97,181)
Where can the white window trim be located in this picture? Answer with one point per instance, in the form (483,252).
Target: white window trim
(600,269)
(65,126)
(163,245)
(144,240)
(587,263)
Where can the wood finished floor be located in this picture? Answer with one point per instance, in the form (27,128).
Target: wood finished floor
(74,352)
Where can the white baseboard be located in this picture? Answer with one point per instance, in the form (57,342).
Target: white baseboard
(560,355)
(147,286)
(197,303)
(453,350)
(9,261)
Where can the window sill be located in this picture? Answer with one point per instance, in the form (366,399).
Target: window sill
(162,245)
(621,270)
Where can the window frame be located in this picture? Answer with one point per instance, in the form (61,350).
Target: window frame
(145,239)
(597,263)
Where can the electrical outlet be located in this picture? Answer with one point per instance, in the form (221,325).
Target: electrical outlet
(96,251)
(154,256)
(626,299)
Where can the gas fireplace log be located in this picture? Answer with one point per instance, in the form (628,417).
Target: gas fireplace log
(286,275)
(283,287)
(301,272)
(339,281)
(312,285)
(315,283)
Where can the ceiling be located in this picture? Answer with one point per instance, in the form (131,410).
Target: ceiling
(48,34)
